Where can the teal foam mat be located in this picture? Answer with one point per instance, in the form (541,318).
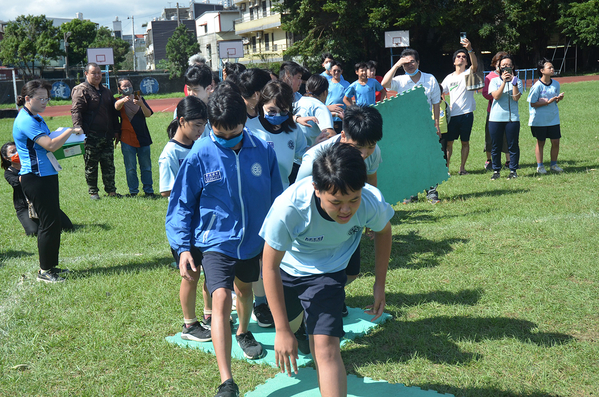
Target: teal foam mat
(356,324)
(305,384)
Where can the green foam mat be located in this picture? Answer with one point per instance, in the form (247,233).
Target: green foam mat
(356,324)
(412,156)
(305,384)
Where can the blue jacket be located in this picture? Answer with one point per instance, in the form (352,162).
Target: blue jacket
(220,198)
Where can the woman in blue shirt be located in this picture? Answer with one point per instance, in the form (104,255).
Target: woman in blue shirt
(504,117)
(39,172)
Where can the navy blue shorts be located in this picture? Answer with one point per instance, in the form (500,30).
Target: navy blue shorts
(196,255)
(353,266)
(220,270)
(321,297)
(542,133)
(460,127)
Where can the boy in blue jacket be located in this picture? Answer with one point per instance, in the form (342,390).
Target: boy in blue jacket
(222,193)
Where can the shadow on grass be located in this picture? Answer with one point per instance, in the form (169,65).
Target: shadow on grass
(436,339)
(480,391)
(10,254)
(487,193)
(127,267)
(410,251)
(89,227)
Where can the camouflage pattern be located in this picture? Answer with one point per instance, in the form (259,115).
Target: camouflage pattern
(99,150)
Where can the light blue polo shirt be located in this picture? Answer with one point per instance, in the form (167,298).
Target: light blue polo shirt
(313,244)
(365,94)
(505,109)
(543,116)
(309,106)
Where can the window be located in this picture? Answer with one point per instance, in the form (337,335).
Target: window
(264,12)
(266,43)
(251,14)
(253,43)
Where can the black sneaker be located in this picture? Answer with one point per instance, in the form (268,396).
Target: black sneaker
(344,311)
(251,348)
(512,175)
(196,332)
(262,315)
(488,165)
(303,342)
(495,176)
(228,389)
(51,276)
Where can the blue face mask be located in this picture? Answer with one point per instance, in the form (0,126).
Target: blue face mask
(228,143)
(276,119)
(413,74)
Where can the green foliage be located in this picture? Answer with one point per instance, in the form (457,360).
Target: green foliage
(580,21)
(179,48)
(29,39)
(83,34)
(120,47)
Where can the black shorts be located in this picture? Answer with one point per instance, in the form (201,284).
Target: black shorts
(321,297)
(196,255)
(460,127)
(220,270)
(542,133)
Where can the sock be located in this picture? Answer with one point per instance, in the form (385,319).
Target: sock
(259,300)
(554,163)
(189,322)
(207,314)
(539,164)
(42,271)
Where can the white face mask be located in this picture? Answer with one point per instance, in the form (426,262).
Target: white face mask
(327,66)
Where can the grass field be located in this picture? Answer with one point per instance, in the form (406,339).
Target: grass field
(494,291)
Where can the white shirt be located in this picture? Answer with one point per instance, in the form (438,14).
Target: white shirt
(428,81)
(462,101)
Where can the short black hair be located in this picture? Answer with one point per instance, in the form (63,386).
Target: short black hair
(372,64)
(233,68)
(90,65)
(226,108)
(198,75)
(339,167)
(326,55)
(316,85)
(541,64)
(410,52)
(507,56)
(252,81)
(363,124)
(290,68)
(190,108)
(360,65)
(29,90)
(282,94)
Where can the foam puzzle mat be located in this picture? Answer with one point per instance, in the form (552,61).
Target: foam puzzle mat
(305,384)
(356,324)
(412,156)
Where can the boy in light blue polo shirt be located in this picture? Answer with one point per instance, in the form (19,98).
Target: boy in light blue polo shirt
(310,233)
(364,89)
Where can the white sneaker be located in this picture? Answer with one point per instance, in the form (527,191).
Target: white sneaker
(555,168)
(541,169)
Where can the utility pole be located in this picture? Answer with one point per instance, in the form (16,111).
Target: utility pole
(178,17)
(66,51)
(133,38)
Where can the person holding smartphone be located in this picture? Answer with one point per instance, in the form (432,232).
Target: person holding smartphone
(504,117)
(135,137)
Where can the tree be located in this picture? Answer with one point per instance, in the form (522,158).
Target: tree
(83,34)
(29,39)
(179,48)
(580,21)
(120,47)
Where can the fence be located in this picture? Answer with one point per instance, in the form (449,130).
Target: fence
(524,72)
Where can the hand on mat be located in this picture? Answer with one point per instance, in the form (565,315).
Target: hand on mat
(286,351)
(378,308)
(184,259)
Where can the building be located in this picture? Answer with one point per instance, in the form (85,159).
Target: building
(160,30)
(213,27)
(260,29)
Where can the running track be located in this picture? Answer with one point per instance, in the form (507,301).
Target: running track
(168,105)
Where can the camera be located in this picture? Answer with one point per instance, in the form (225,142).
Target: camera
(462,36)
(509,70)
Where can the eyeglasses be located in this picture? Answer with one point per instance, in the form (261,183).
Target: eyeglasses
(461,56)
(281,113)
(336,71)
(42,100)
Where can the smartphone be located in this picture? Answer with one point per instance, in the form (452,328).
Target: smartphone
(137,95)
(462,36)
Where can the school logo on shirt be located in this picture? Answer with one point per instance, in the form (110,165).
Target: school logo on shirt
(354,230)
(271,144)
(291,144)
(256,169)
(213,176)
(314,239)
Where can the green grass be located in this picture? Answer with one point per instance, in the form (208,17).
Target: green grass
(494,291)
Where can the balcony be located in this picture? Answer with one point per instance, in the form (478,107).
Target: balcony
(246,25)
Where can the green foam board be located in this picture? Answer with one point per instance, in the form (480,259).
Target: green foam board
(412,156)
